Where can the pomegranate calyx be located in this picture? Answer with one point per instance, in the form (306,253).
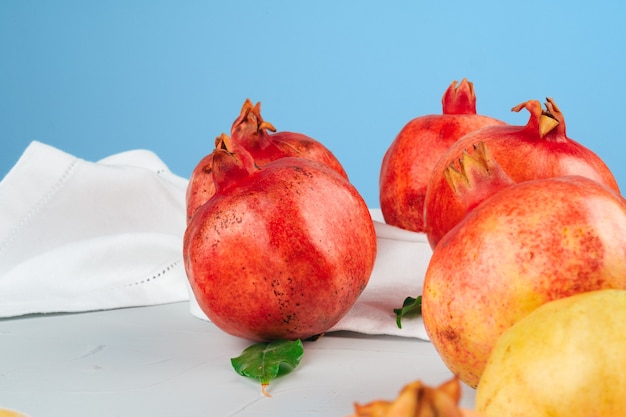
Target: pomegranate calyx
(470,167)
(247,106)
(548,124)
(478,176)
(459,99)
(267,126)
(554,112)
(230,162)
(250,129)
(417,399)
(261,124)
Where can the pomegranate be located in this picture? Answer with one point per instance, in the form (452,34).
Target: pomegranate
(417,399)
(407,164)
(541,149)
(278,252)
(565,359)
(253,133)
(525,245)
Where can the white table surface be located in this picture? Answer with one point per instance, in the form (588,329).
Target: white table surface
(161,361)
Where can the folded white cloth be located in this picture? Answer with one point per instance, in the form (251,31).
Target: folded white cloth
(78,236)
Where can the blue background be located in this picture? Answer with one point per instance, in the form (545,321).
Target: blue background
(95,78)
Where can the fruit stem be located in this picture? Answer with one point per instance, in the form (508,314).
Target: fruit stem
(548,124)
(459,100)
(264,390)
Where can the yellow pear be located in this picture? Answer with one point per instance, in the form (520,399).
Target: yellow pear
(566,358)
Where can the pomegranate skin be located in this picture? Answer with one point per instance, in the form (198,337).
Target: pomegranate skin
(524,153)
(261,139)
(408,162)
(282,254)
(528,244)
(200,187)
(301,145)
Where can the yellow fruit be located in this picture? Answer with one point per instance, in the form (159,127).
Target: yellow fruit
(566,358)
(10,413)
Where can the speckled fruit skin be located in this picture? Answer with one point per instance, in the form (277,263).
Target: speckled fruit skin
(408,162)
(266,144)
(283,253)
(200,187)
(528,244)
(565,359)
(524,153)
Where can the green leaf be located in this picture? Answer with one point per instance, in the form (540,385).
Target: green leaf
(267,360)
(410,307)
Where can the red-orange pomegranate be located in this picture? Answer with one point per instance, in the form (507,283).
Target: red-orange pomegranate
(408,162)
(266,144)
(527,244)
(278,252)
(540,149)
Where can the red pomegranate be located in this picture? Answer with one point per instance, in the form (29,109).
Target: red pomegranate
(281,251)
(408,163)
(527,244)
(253,133)
(540,149)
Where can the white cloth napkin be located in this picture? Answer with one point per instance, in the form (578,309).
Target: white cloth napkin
(79,236)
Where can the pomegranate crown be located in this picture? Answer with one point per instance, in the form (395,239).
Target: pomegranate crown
(230,162)
(478,176)
(469,166)
(459,99)
(546,124)
(250,119)
(420,399)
